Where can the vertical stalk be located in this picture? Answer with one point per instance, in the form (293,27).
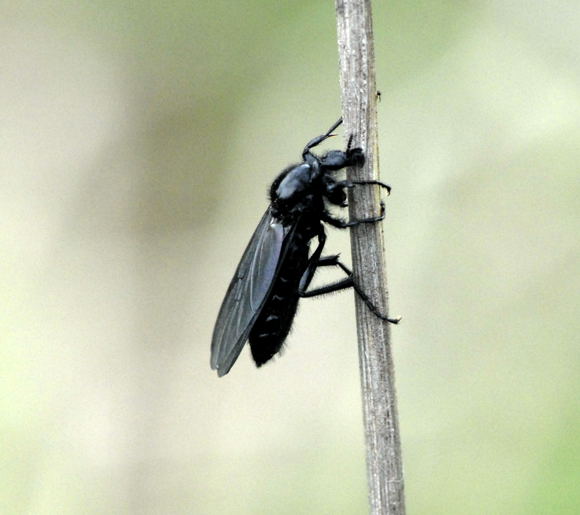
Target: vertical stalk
(359,96)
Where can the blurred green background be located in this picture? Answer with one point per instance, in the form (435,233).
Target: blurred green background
(137,143)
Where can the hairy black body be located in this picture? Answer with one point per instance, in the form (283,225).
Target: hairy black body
(277,268)
(274,322)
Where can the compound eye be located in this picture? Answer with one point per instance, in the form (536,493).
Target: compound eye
(356,155)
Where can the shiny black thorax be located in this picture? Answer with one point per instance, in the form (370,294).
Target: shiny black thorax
(299,198)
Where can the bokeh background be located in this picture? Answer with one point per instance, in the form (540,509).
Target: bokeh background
(137,143)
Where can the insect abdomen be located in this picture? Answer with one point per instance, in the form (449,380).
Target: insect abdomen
(274,322)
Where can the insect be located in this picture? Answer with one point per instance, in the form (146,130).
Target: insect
(277,267)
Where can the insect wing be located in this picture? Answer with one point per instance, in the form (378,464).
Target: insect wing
(247,292)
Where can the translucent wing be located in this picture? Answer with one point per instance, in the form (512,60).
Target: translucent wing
(247,292)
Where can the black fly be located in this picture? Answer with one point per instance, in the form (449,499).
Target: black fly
(276,270)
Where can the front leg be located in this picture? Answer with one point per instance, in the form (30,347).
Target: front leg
(339,223)
(335,190)
(378,183)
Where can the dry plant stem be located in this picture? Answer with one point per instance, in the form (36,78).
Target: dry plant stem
(357,78)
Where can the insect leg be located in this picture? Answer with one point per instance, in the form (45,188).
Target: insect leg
(342,224)
(378,183)
(313,262)
(333,261)
(343,284)
(352,184)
